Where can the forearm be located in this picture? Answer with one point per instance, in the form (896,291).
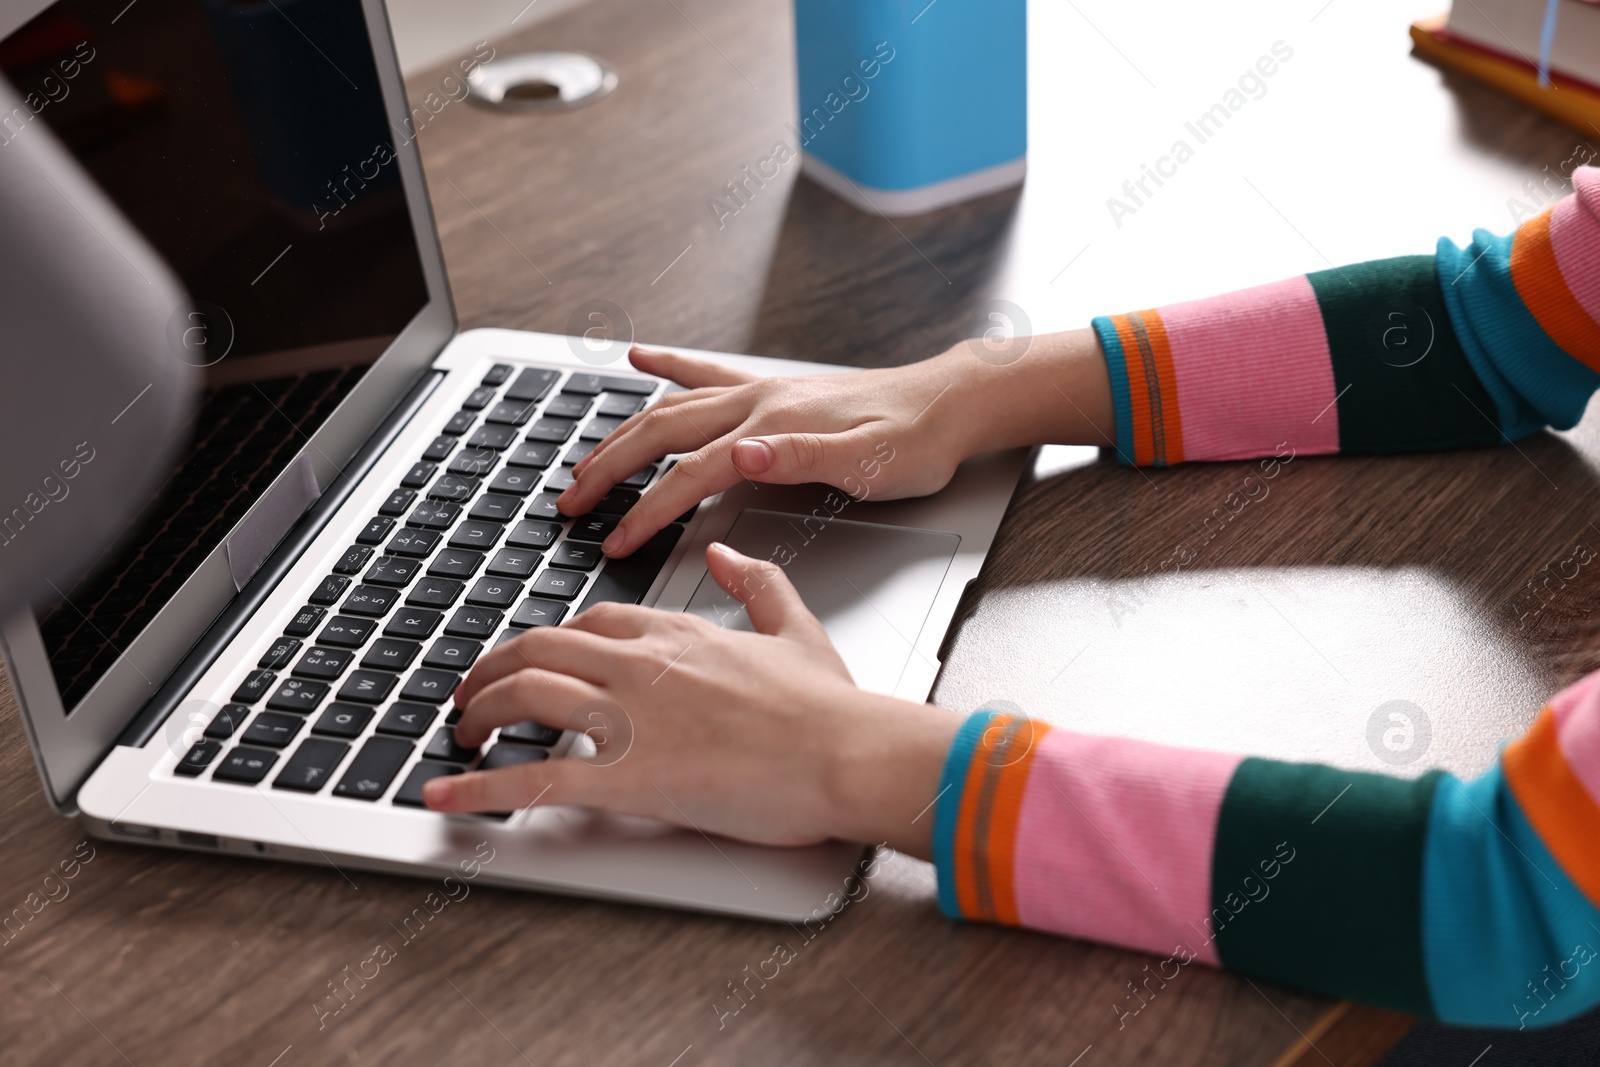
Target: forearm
(1057,392)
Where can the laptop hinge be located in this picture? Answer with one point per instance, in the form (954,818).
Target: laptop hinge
(228,624)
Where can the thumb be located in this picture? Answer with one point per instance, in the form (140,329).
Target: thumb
(774,605)
(795,458)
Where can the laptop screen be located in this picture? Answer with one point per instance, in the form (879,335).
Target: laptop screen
(247,141)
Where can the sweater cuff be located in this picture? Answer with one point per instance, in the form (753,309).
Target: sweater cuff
(1117,369)
(976,814)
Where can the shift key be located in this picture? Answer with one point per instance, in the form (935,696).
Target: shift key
(374,767)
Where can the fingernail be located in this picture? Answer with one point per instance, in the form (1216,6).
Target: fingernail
(753,455)
(614,543)
(436,794)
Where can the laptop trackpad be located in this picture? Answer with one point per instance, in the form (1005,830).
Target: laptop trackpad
(872,585)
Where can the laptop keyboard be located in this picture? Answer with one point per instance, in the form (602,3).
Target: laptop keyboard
(243,436)
(466,549)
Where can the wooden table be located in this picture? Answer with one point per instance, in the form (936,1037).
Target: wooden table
(1354,583)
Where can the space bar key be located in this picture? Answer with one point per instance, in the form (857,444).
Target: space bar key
(628,580)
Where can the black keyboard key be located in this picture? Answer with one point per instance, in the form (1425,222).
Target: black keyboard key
(305,621)
(375,531)
(272,730)
(396,504)
(278,656)
(418,476)
(456,563)
(429,686)
(558,585)
(298,696)
(535,454)
(435,593)
(532,384)
(452,654)
(343,720)
(578,453)
(410,792)
(353,560)
(392,570)
(577,556)
(568,406)
(616,502)
(510,413)
(312,764)
(413,543)
(373,601)
(407,720)
(200,755)
(498,438)
(554,430)
(438,451)
(331,589)
(366,687)
(323,664)
(374,767)
(226,721)
(454,488)
(514,563)
(599,429)
(389,654)
(459,423)
(531,534)
(344,631)
(509,635)
(627,580)
(519,481)
(536,612)
(434,515)
(510,754)
(533,733)
(559,480)
(495,508)
(495,592)
(246,766)
(475,535)
(473,622)
(443,747)
(413,624)
(254,687)
(479,399)
(638,479)
(497,374)
(544,507)
(474,462)
(620,406)
(593,527)
(594,384)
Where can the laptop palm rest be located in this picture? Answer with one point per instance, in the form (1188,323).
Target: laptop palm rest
(871,584)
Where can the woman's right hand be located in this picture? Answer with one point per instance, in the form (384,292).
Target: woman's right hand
(882,433)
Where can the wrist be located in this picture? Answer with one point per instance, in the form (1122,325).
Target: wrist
(1055,390)
(883,775)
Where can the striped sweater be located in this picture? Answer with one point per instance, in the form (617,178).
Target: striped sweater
(1474,902)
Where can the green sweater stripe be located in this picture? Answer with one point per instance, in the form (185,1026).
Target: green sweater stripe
(1316,881)
(1402,379)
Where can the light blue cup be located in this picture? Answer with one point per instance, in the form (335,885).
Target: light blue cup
(906,105)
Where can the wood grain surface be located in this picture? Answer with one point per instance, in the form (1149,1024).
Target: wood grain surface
(1355,583)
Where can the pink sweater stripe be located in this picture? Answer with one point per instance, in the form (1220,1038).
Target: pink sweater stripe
(1574,235)
(1253,371)
(1115,838)
(1577,711)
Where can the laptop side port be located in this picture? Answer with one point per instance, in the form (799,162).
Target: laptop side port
(193,840)
(143,833)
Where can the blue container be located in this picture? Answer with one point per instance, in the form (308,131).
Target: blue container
(909,105)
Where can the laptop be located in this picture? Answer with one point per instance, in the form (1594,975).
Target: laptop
(262,665)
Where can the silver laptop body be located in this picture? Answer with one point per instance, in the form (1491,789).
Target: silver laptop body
(178,637)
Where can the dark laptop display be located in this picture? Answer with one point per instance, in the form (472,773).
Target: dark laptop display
(248,142)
